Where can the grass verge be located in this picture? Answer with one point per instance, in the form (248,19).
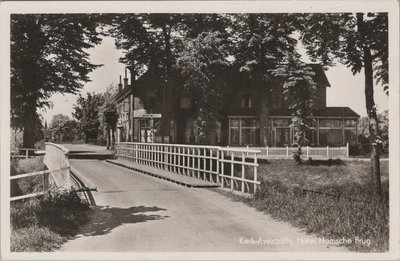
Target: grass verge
(329,198)
(42,223)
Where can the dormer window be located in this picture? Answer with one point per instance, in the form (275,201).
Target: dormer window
(246,101)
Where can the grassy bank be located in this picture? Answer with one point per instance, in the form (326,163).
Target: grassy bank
(30,184)
(42,223)
(329,198)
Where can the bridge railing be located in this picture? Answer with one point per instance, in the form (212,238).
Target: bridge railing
(239,169)
(211,163)
(56,160)
(57,175)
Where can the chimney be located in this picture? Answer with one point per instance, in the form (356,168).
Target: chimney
(125,79)
(120,84)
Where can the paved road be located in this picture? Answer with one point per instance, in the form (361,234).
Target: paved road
(136,213)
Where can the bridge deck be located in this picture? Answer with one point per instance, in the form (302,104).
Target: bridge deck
(162,174)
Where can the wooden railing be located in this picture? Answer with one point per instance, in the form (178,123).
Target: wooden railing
(212,163)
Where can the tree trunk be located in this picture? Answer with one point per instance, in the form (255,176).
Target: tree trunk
(108,138)
(29,126)
(166,91)
(371,110)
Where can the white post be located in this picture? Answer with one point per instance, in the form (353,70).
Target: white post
(255,173)
(222,154)
(327,151)
(232,169)
(247,148)
(307,151)
(347,149)
(287,151)
(217,162)
(267,151)
(243,162)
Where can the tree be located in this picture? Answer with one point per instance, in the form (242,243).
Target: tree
(383,125)
(264,47)
(360,43)
(61,128)
(109,116)
(48,55)
(299,89)
(86,111)
(202,63)
(153,43)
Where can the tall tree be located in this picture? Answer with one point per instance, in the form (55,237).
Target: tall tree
(262,43)
(361,42)
(109,116)
(151,42)
(60,127)
(48,55)
(86,111)
(202,63)
(299,89)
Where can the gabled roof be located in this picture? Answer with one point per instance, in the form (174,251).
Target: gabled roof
(323,112)
(320,76)
(122,94)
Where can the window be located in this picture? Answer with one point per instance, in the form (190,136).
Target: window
(234,128)
(330,132)
(311,136)
(280,123)
(244,131)
(185,102)
(330,123)
(246,101)
(350,123)
(330,137)
(350,131)
(350,136)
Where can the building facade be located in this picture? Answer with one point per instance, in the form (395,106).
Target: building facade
(250,116)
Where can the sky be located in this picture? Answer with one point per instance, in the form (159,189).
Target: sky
(346,89)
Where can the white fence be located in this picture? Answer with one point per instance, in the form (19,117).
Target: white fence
(212,163)
(313,152)
(57,175)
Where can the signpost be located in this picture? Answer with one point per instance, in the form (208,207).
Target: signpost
(152,115)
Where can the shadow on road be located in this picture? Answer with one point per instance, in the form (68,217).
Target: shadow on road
(104,219)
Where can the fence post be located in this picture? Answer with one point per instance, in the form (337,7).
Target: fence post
(307,151)
(327,151)
(287,151)
(217,162)
(247,148)
(243,161)
(232,169)
(27,154)
(267,151)
(347,149)
(222,154)
(255,172)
